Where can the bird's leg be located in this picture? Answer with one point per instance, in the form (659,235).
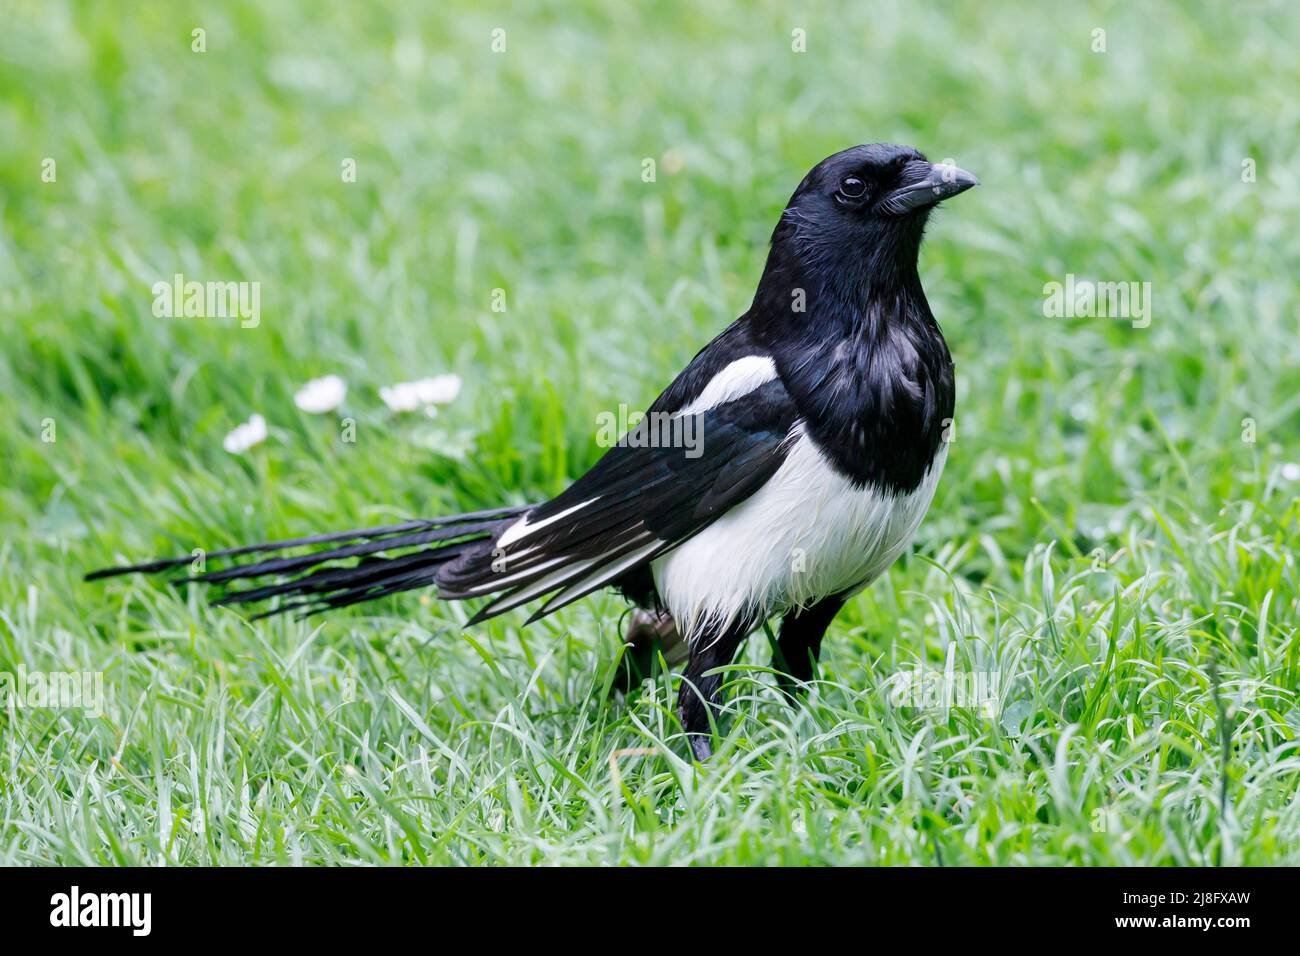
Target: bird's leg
(800,643)
(648,634)
(698,698)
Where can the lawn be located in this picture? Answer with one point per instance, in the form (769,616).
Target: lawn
(1112,548)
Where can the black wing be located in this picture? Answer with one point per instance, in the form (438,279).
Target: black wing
(639,501)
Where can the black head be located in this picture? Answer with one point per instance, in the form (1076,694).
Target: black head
(841,308)
(864,210)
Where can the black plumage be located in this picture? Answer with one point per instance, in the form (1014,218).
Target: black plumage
(839,349)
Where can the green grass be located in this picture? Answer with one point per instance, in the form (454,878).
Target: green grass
(1104,539)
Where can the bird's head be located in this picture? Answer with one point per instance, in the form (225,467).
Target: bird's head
(862,211)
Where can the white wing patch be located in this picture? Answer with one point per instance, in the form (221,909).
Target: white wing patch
(738,378)
(521,528)
(806,534)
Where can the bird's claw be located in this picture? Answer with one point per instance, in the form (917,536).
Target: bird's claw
(701,746)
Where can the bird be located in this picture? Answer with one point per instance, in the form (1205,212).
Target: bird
(783,470)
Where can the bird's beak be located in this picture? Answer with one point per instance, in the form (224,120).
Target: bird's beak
(925,184)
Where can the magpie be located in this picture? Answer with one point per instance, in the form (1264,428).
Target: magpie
(822,414)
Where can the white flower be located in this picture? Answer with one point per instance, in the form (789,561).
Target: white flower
(1291,471)
(245,436)
(440,390)
(400,397)
(408,396)
(321,395)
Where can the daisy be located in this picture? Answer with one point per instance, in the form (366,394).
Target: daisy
(245,436)
(408,396)
(321,395)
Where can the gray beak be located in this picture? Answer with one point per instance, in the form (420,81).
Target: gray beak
(925,184)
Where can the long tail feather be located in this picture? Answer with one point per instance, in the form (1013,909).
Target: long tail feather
(381,562)
(152,567)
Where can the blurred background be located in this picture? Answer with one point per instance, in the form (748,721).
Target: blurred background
(504,147)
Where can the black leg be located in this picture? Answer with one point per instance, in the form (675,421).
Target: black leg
(800,643)
(699,694)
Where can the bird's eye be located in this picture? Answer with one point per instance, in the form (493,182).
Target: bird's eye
(852,187)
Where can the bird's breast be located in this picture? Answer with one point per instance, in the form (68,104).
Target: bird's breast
(879,409)
(808,533)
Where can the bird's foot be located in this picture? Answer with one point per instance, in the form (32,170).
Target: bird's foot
(701,746)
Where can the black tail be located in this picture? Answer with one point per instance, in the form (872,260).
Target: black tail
(314,581)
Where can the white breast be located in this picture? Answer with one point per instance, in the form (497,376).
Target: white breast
(806,534)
